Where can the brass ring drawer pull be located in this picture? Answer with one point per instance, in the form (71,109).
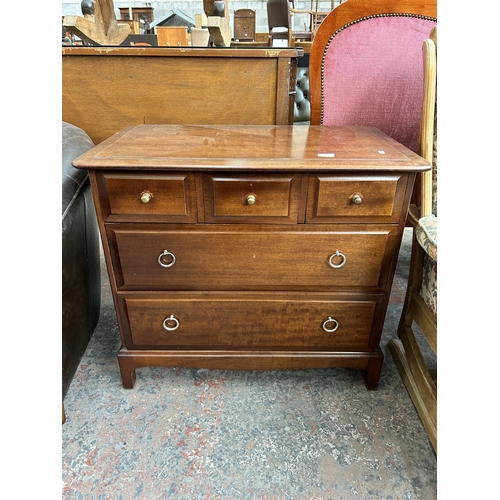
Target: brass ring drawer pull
(166,253)
(337,254)
(171,319)
(333,321)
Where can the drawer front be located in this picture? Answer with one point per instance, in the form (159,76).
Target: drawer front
(149,198)
(250,322)
(252,198)
(337,198)
(248,258)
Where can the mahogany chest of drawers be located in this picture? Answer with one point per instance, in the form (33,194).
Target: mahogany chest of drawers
(251,247)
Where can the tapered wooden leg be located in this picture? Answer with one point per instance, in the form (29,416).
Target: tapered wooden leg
(63,414)
(127,371)
(373,372)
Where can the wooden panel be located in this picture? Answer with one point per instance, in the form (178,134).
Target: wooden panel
(172,197)
(241,257)
(104,91)
(228,198)
(245,322)
(172,35)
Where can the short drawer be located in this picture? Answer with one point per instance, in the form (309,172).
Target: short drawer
(143,197)
(337,198)
(273,198)
(244,321)
(236,257)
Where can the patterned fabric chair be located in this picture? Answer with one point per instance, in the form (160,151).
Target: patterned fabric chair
(420,305)
(366,66)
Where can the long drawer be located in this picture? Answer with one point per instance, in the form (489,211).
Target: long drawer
(262,321)
(239,257)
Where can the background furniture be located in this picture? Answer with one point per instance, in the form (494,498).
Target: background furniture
(81,274)
(315,15)
(145,14)
(244,25)
(251,247)
(140,39)
(279,19)
(137,85)
(172,36)
(366,66)
(98,25)
(302,105)
(135,27)
(421,296)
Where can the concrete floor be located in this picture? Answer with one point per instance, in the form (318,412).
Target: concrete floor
(201,434)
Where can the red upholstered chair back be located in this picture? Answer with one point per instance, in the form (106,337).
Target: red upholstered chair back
(366,66)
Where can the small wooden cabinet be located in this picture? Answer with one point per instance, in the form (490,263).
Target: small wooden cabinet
(251,247)
(244,25)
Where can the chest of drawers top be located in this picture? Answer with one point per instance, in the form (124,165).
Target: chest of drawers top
(251,147)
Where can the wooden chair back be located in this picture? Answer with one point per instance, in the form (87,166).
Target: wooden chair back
(366,66)
(427,138)
(278,16)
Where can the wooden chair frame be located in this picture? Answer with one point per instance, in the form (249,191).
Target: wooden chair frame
(421,382)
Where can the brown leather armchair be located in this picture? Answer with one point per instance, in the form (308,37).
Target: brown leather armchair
(81,272)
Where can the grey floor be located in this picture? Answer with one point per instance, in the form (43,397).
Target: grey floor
(201,434)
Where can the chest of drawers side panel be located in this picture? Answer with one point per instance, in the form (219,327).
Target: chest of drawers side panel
(101,204)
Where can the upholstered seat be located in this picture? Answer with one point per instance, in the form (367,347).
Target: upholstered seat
(426,233)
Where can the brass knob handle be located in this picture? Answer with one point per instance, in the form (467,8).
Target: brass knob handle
(146,196)
(331,321)
(171,323)
(251,198)
(357,199)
